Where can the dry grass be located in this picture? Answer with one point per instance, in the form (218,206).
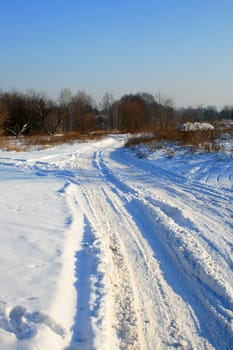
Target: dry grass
(206,140)
(43,141)
(49,141)
(192,138)
(140,139)
(7,144)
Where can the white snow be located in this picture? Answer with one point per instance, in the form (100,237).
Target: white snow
(101,249)
(196,126)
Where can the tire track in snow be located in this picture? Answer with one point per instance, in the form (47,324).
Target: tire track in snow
(223,314)
(114,305)
(147,310)
(158,314)
(170,331)
(104,223)
(182,201)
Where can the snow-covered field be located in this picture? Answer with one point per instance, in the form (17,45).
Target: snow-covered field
(103,250)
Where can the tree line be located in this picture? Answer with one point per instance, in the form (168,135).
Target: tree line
(33,113)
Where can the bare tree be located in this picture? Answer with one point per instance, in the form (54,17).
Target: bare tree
(51,118)
(18,116)
(3,116)
(65,104)
(165,110)
(65,96)
(116,116)
(107,109)
(226,112)
(132,115)
(82,109)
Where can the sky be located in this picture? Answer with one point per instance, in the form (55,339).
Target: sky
(180,48)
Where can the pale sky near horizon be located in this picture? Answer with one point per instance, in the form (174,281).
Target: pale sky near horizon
(182,48)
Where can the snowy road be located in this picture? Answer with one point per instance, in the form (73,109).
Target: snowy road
(145,256)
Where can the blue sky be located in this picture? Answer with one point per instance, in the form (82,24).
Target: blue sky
(182,48)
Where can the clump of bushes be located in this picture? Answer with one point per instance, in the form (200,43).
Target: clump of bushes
(206,140)
(9,145)
(140,139)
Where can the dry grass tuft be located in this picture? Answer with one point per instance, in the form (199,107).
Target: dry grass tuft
(7,144)
(140,139)
(206,140)
(43,141)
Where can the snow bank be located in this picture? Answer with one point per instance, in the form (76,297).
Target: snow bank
(196,126)
(33,243)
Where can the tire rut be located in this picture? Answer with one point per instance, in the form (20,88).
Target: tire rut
(125,321)
(146,206)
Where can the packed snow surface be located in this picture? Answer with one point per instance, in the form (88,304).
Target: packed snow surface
(101,249)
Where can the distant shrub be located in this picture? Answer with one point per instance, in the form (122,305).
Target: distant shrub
(200,139)
(42,141)
(139,139)
(7,144)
